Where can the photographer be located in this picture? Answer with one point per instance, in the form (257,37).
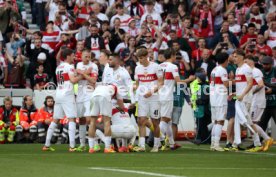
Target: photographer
(224,46)
(63,19)
(250,37)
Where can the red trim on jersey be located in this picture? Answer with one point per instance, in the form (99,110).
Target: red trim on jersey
(66,76)
(169,76)
(94,75)
(147,77)
(217,80)
(115,90)
(240,78)
(115,111)
(255,82)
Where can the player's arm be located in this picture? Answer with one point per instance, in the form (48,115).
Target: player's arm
(225,79)
(260,85)
(73,77)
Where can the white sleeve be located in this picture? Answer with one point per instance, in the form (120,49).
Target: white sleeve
(175,71)
(224,75)
(186,57)
(257,76)
(136,74)
(159,71)
(248,72)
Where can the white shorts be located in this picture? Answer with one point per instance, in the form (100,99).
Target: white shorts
(149,108)
(166,109)
(84,109)
(101,106)
(218,112)
(65,109)
(123,131)
(256,113)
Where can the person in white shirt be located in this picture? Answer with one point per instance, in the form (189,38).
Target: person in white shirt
(97,11)
(258,101)
(102,105)
(65,104)
(218,99)
(107,76)
(150,11)
(89,71)
(244,83)
(149,79)
(52,8)
(124,18)
(171,77)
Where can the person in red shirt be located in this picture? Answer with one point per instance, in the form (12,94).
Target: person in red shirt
(250,37)
(82,12)
(50,36)
(262,47)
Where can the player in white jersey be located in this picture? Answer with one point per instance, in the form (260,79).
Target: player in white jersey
(102,105)
(218,99)
(149,79)
(258,102)
(107,76)
(171,76)
(244,83)
(121,128)
(121,76)
(65,104)
(89,71)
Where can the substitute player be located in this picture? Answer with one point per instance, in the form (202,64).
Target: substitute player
(258,104)
(65,99)
(149,79)
(89,72)
(244,83)
(102,105)
(171,76)
(218,99)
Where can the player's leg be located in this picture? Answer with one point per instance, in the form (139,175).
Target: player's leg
(155,118)
(92,125)
(230,126)
(220,116)
(83,112)
(50,132)
(70,111)
(240,119)
(11,133)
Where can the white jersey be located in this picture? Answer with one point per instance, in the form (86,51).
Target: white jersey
(271,41)
(258,98)
(242,74)
(235,29)
(102,17)
(218,91)
(122,80)
(65,88)
(107,77)
(120,47)
(107,91)
(170,71)
(85,90)
(2,66)
(185,56)
(125,19)
(148,80)
(155,17)
(120,119)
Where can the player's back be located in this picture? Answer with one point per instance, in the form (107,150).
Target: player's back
(170,71)
(107,91)
(241,81)
(259,97)
(65,88)
(119,118)
(218,91)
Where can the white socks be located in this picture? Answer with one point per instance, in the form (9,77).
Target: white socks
(72,134)
(218,129)
(100,134)
(156,142)
(107,142)
(50,133)
(256,139)
(213,134)
(82,134)
(163,128)
(261,132)
(170,134)
(91,142)
(142,141)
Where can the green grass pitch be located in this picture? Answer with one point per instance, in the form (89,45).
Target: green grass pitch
(190,161)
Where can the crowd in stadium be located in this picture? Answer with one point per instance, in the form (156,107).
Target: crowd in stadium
(140,58)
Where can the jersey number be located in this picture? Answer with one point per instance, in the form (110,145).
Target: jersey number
(60,78)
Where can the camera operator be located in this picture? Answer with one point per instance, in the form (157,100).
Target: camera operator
(224,46)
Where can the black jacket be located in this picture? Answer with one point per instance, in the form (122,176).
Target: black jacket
(33,53)
(210,67)
(88,42)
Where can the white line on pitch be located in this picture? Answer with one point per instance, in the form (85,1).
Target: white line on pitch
(198,168)
(132,171)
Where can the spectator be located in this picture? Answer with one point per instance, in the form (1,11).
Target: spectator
(41,15)
(271,6)
(82,10)
(132,28)
(121,46)
(270,34)
(196,54)
(124,18)
(97,12)
(182,11)
(52,8)
(128,54)
(233,26)
(33,53)
(45,117)
(184,55)
(95,42)
(270,17)
(40,79)
(136,11)
(41,60)
(274,55)
(8,121)
(250,37)
(261,46)
(28,121)
(8,15)
(3,67)
(184,45)
(16,43)
(188,33)
(256,17)
(116,34)
(150,11)
(206,63)
(224,46)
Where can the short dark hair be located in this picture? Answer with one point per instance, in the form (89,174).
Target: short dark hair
(106,52)
(240,52)
(251,25)
(39,34)
(66,52)
(168,53)
(222,57)
(119,6)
